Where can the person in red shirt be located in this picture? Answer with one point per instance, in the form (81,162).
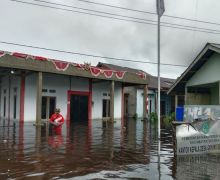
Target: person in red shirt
(57,121)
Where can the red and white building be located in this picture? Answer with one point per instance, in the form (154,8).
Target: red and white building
(31,87)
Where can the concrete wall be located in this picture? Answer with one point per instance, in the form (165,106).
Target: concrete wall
(118,101)
(132,100)
(167,100)
(139,109)
(30,97)
(59,85)
(100,91)
(152,99)
(198,99)
(135,102)
(214,95)
(208,73)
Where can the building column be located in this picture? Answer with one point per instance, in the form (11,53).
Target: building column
(176,101)
(39,98)
(112,94)
(185,97)
(145,102)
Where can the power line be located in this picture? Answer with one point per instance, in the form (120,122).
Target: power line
(148,12)
(89,55)
(86,9)
(129,20)
(141,19)
(118,7)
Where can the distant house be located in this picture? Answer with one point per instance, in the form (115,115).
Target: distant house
(133,95)
(200,83)
(167,101)
(32,86)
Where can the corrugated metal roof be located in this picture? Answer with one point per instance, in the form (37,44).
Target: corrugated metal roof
(165,83)
(120,68)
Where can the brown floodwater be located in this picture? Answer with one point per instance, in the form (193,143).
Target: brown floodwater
(97,151)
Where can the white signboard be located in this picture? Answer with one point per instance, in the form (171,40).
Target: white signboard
(202,136)
(201,112)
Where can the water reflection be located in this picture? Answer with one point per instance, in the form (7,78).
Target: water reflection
(99,150)
(198,167)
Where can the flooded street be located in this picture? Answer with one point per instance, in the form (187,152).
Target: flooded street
(99,151)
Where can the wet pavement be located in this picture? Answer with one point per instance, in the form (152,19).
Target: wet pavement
(97,151)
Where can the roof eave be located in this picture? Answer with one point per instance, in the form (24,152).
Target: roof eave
(207,47)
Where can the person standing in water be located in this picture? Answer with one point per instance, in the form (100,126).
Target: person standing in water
(57,121)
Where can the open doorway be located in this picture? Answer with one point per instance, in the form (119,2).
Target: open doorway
(79,108)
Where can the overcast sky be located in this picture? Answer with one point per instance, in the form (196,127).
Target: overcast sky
(69,31)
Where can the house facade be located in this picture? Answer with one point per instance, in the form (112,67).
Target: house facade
(133,95)
(199,84)
(32,87)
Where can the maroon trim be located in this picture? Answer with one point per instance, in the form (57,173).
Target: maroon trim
(22,93)
(39,58)
(19,55)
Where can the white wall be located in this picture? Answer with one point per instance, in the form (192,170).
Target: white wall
(98,89)
(30,97)
(139,106)
(208,73)
(79,84)
(117,100)
(61,84)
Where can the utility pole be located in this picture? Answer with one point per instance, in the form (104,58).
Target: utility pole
(160,11)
